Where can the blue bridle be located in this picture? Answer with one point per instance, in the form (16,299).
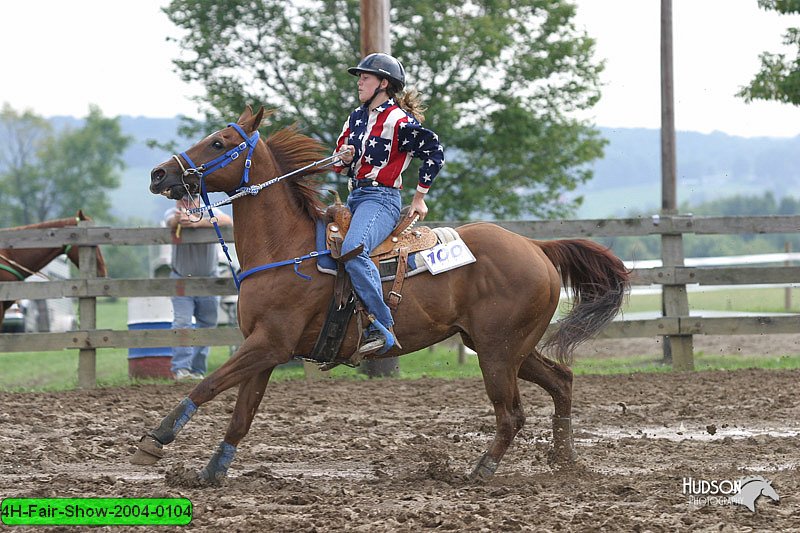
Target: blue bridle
(222,161)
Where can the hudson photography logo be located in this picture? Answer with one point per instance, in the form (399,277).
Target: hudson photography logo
(744,491)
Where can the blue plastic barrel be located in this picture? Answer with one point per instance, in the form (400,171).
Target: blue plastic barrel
(149,313)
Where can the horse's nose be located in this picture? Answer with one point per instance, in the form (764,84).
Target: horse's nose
(157,175)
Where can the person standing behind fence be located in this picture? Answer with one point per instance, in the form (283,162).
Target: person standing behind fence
(192,260)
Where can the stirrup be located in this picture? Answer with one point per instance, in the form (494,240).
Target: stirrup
(380,344)
(374,343)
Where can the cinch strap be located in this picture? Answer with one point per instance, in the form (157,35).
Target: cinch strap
(296,262)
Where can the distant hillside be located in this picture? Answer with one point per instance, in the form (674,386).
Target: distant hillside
(132,198)
(626,180)
(710,166)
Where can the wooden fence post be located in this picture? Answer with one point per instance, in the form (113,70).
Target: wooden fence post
(675,302)
(87,315)
(787,294)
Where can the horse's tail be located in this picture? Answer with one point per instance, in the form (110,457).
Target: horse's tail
(599,282)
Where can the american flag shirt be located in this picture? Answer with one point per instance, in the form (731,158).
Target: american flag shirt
(385,140)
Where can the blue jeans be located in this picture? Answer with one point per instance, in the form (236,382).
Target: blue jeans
(204,310)
(376,211)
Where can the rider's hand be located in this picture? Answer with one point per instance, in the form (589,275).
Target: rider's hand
(347,157)
(418,206)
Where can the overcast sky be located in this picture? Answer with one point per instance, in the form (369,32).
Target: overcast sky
(58,57)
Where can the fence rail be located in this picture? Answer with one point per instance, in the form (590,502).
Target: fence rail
(88,287)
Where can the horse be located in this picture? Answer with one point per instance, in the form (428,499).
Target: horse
(17,264)
(500,305)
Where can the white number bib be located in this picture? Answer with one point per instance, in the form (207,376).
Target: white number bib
(447,256)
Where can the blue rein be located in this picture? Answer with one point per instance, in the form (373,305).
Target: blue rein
(220,162)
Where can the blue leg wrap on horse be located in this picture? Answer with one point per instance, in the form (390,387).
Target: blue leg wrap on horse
(217,467)
(173,423)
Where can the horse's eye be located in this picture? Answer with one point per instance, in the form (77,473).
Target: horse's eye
(218,145)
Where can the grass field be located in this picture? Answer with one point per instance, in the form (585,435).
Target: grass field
(58,370)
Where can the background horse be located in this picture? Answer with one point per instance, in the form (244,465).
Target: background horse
(501,305)
(16,264)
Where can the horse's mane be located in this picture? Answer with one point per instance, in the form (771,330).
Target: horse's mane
(293,150)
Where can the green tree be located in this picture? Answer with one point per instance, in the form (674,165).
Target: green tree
(22,133)
(46,174)
(504,81)
(779,77)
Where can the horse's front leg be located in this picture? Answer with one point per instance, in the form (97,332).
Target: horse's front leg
(250,394)
(241,367)
(150,448)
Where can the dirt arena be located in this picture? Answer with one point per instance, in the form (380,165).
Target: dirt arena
(391,455)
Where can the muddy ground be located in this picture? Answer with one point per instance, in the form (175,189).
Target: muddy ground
(391,455)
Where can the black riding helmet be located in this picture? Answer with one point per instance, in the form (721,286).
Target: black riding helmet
(383,66)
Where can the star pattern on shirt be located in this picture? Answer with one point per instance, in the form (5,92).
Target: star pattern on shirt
(382,155)
(376,150)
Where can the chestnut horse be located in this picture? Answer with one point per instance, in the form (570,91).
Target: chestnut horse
(501,305)
(16,264)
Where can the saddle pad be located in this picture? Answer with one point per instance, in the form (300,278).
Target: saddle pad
(387,268)
(325,263)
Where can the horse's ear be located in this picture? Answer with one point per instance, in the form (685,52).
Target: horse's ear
(246,115)
(258,118)
(251,122)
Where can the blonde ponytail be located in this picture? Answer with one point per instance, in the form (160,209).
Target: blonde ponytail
(410,100)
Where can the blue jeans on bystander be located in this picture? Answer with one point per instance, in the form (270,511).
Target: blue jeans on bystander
(204,310)
(376,211)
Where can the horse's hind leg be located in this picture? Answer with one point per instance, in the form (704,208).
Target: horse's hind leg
(556,379)
(250,394)
(500,380)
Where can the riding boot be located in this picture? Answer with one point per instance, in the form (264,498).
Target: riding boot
(376,342)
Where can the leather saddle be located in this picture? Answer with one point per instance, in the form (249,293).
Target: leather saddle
(404,238)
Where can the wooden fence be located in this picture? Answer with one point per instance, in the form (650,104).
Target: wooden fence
(88,287)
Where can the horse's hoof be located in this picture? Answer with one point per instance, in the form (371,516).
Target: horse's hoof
(204,477)
(149,451)
(485,469)
(562,452)
(561,456)
(144,458)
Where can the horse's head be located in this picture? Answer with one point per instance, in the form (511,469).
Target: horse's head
(219,162)
(752,487)
(73,253)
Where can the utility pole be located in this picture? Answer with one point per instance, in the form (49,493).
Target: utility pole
(678,349)
(376,37)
